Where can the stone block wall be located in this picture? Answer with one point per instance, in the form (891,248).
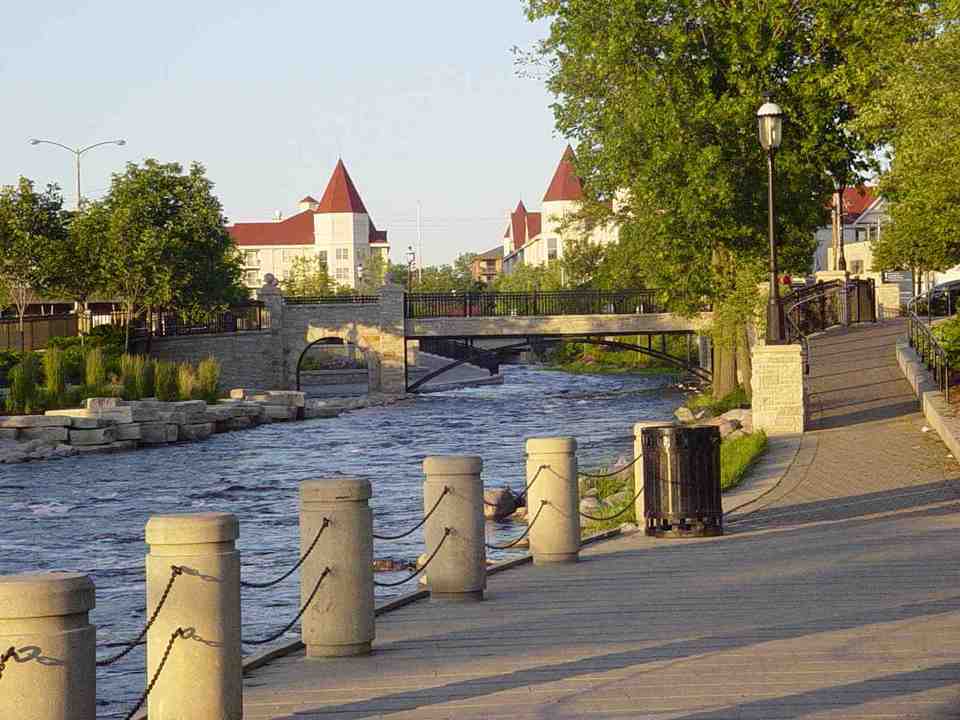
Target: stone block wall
(778,400)
(247,359)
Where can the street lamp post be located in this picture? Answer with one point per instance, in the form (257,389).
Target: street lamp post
(77,153)
(770,121)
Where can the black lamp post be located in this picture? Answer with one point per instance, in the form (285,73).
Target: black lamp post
(770,120)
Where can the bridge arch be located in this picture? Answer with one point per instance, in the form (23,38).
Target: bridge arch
(329,340)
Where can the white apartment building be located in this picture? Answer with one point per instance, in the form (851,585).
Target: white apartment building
(536,238)
(337,229)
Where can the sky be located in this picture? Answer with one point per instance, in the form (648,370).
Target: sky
(422,99)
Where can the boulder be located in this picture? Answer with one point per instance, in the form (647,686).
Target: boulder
(118,446)
(12,457)
(628,528)
(196,431)
(392,565)
(684,415)
(280,413)
(704,414)
(64,451)
(127,414)
(193,410)
(239,423)
(291,398)
(46,435)
(591,492)
(498,503)
(319,412)
(618,498)
(129,431)
(589,504)
(33,421)
(154,433)
(101,436)
(218,413)
(737,434)
(102,403)
(8,433)
(520,515)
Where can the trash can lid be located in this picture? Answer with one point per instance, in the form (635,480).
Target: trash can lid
(641,424)
(452,465)
(335,489)
(542,445)
(45,594)
(192,528)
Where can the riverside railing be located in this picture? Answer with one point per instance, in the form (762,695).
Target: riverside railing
(331,299)
(193,586)
(924,342)
(514,304)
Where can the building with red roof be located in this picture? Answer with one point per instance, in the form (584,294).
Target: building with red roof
(537,238)
(337,229)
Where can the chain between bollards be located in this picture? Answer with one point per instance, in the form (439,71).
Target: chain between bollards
(420,524)
(627,507)
(175,572)
(178,633)
(610,474)
(10,654)
(271,638)
(526,532)
(523,493)
(323,526)
(446,534)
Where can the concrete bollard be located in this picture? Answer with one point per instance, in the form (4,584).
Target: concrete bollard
(202,676)
(339,621)
(458,572)
(555,536)
(43,617)
(640,504)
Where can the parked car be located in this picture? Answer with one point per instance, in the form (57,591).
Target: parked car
(941,301)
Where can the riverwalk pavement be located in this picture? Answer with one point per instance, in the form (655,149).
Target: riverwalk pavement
(834,594)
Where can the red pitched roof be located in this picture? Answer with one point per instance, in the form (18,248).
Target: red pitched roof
(856,201)
(518,220)
(309,199)
(295,230)
(565,184)
(341,195)
(533,224)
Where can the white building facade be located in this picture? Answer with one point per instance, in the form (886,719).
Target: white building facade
(337,229)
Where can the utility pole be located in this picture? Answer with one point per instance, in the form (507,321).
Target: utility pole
(419,246)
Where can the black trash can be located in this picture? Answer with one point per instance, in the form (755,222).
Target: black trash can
(681,471)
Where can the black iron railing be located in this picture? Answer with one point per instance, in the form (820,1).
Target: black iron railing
(924,342)
(563,302)
(169,323)
(331,299)
(456,350)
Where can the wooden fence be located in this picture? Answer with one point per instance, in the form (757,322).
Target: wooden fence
(37,331)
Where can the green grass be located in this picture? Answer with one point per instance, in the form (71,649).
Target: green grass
(705,401)
(736,455)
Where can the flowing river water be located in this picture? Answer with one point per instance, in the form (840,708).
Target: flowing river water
(87,514)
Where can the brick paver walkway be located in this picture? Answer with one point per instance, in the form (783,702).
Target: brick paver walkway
(837,595)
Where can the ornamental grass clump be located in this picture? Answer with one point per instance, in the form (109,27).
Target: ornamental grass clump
(95,370)
(208,379)
(131,376)
(24,395)
(186,381)
(165,380)
(54,375)
(148,380)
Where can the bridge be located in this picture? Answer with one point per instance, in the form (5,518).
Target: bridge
(387,327)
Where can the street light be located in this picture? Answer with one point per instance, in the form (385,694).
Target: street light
(78,152)
(770,121)
(411,260)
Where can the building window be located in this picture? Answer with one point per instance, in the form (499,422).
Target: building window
(861,234)
(343,274)
(322,256)
(251,277)
(251,258)
(343,253)
(551,248)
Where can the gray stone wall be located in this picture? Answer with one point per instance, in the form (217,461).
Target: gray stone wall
(250,359)
(556,325)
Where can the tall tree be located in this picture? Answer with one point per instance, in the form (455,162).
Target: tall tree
(79,263)
(31,224)
(661,98)
(530,278)
(308,277)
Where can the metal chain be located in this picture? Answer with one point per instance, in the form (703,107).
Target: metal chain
(288,573)
(616,515)
(271,638)
(11,653)
(175,572)
(178,633)
(523,493)
(446,533)
(526,532)
(419,524)
(610,474)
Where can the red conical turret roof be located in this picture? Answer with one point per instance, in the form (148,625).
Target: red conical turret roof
(565,184)
(341,195)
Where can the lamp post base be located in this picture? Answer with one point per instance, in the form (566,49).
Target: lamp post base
(776,326)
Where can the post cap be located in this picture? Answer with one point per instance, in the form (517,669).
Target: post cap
(335,489)
(640,425)
(192,528)
(452,465)
(548,445)
(40,594)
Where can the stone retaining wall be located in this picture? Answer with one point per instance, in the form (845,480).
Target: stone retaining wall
(247,358)
(941,416)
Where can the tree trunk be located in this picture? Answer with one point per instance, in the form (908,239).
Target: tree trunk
(745,362)
(724,367)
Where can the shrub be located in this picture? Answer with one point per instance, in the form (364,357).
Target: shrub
(948,335)
(95,370)
(9,359)
(132,380)
(186,381)
(24,396)
(165,374)
(208,379)
(148,386)
(54,374)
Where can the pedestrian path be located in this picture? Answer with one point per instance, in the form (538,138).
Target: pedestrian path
(834,595)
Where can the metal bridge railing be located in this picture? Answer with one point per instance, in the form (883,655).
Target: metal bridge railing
(924,342)
(532,304)
(331,299)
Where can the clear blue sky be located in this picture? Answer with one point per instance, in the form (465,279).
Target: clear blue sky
(421,98)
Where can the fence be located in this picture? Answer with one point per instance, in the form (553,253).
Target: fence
(331,299)
(238,318)
(921,338)
(563,302)
(37,331)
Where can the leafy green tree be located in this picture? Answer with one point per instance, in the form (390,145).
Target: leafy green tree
(530,278)
(374,274)
(31,223)
(308,277)
(582,261)
(662,100)
(446,278)
(916,111)
(166,240)
(79,264)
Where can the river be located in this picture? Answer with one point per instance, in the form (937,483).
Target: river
(86,514)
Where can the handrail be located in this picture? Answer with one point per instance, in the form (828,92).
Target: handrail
(331,299)
(532,304)
(921,338)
